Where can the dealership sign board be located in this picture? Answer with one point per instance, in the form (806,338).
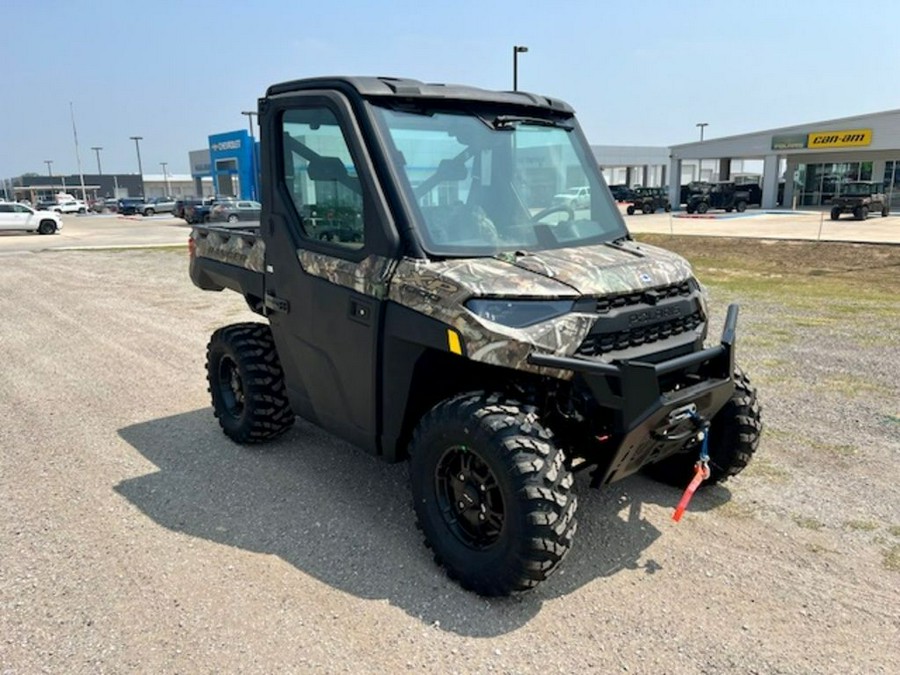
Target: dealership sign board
(820,140)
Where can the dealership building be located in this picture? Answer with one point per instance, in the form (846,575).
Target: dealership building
(813,160)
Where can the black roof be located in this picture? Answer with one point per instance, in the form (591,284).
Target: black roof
(400,88)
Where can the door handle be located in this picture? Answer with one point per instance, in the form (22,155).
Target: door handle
(361,311)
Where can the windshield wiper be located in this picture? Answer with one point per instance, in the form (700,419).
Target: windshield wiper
(501,122)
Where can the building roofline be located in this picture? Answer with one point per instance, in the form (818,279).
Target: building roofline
(787,129)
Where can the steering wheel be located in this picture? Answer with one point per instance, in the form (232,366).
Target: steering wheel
(540,215)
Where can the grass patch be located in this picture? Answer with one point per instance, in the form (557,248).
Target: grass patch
(850,386)
(808,523)
(736,510)
(861,525)
(840,450)
(813,547)
(894,530)
(764,469)
(891,560)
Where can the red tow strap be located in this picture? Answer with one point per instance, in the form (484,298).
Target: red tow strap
(701,473)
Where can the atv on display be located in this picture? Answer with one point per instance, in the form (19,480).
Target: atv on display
(426,300)
(860,198)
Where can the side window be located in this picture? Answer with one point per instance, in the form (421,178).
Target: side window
(6,208)
(321,178)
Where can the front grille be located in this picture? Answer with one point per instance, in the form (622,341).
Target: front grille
(601,343)
(611,302)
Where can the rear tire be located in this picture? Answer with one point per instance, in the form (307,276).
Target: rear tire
(149,212)
(247,384)
(690,209)
(733,439)
(741,206)
(885,211)
(702,207)
(862,213)
(647,209)
(491,493)
(232,218)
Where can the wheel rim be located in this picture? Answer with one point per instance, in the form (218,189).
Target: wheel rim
(231,387)
(469,498)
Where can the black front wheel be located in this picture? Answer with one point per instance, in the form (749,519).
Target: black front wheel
(630,210)
(835,214)
(733,438)
(246,383)
(702,207)
(492,493)
(47,227)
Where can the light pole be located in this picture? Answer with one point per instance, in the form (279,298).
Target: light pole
(166,177)
(517,49)
(702,126)
(137,144)
(254,161)
(49,163)
(97,150)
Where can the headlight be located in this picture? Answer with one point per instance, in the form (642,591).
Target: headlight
(518,313)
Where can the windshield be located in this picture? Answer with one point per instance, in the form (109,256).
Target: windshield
(485,184)
(859,189)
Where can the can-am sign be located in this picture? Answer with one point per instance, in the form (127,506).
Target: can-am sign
(820,140)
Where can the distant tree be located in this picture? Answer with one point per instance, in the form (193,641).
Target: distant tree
(30,174)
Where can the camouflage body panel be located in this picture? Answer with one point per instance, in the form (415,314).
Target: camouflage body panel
(235,248)
(369,276)
(440,289)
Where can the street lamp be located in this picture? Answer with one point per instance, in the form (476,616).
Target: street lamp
(165,177)
(702,126)
(517,49)
(97,150)
(254,160)
(49,163)
(137,144)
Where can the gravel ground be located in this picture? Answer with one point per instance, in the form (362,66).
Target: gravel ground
(136,537)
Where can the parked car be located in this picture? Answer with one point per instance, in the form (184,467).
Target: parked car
(197,211)
(648,200)
(692,188)
(104,205)
(20,217)
(158,205)
(182,204)
(130,206)
(233,211)
(576,197)
(70,206)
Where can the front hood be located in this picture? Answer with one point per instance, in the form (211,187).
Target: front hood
(606,269)
(559,273)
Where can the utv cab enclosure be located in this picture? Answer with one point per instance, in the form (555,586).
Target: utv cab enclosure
(427,300)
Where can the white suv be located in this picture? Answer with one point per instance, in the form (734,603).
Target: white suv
(576,197)
(70,206)
(15,216)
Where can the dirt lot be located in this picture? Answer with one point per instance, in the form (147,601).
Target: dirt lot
(135,537)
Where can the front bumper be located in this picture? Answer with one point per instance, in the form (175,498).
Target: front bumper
(650,423)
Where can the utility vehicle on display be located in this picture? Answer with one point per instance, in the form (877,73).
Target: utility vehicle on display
(859,198)
(648,200)
(426,300)
(724,195)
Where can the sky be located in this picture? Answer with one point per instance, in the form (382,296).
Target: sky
(637,73)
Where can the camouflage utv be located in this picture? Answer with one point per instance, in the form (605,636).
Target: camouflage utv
(859,198)
(427,300)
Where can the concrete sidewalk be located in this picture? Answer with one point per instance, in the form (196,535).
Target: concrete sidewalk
(805,225)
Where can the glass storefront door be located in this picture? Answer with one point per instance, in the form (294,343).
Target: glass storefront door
(820,183)
(892,182)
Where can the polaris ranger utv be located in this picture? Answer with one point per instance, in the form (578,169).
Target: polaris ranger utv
(426,299)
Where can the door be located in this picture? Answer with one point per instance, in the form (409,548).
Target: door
(13,216)
(327,260)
